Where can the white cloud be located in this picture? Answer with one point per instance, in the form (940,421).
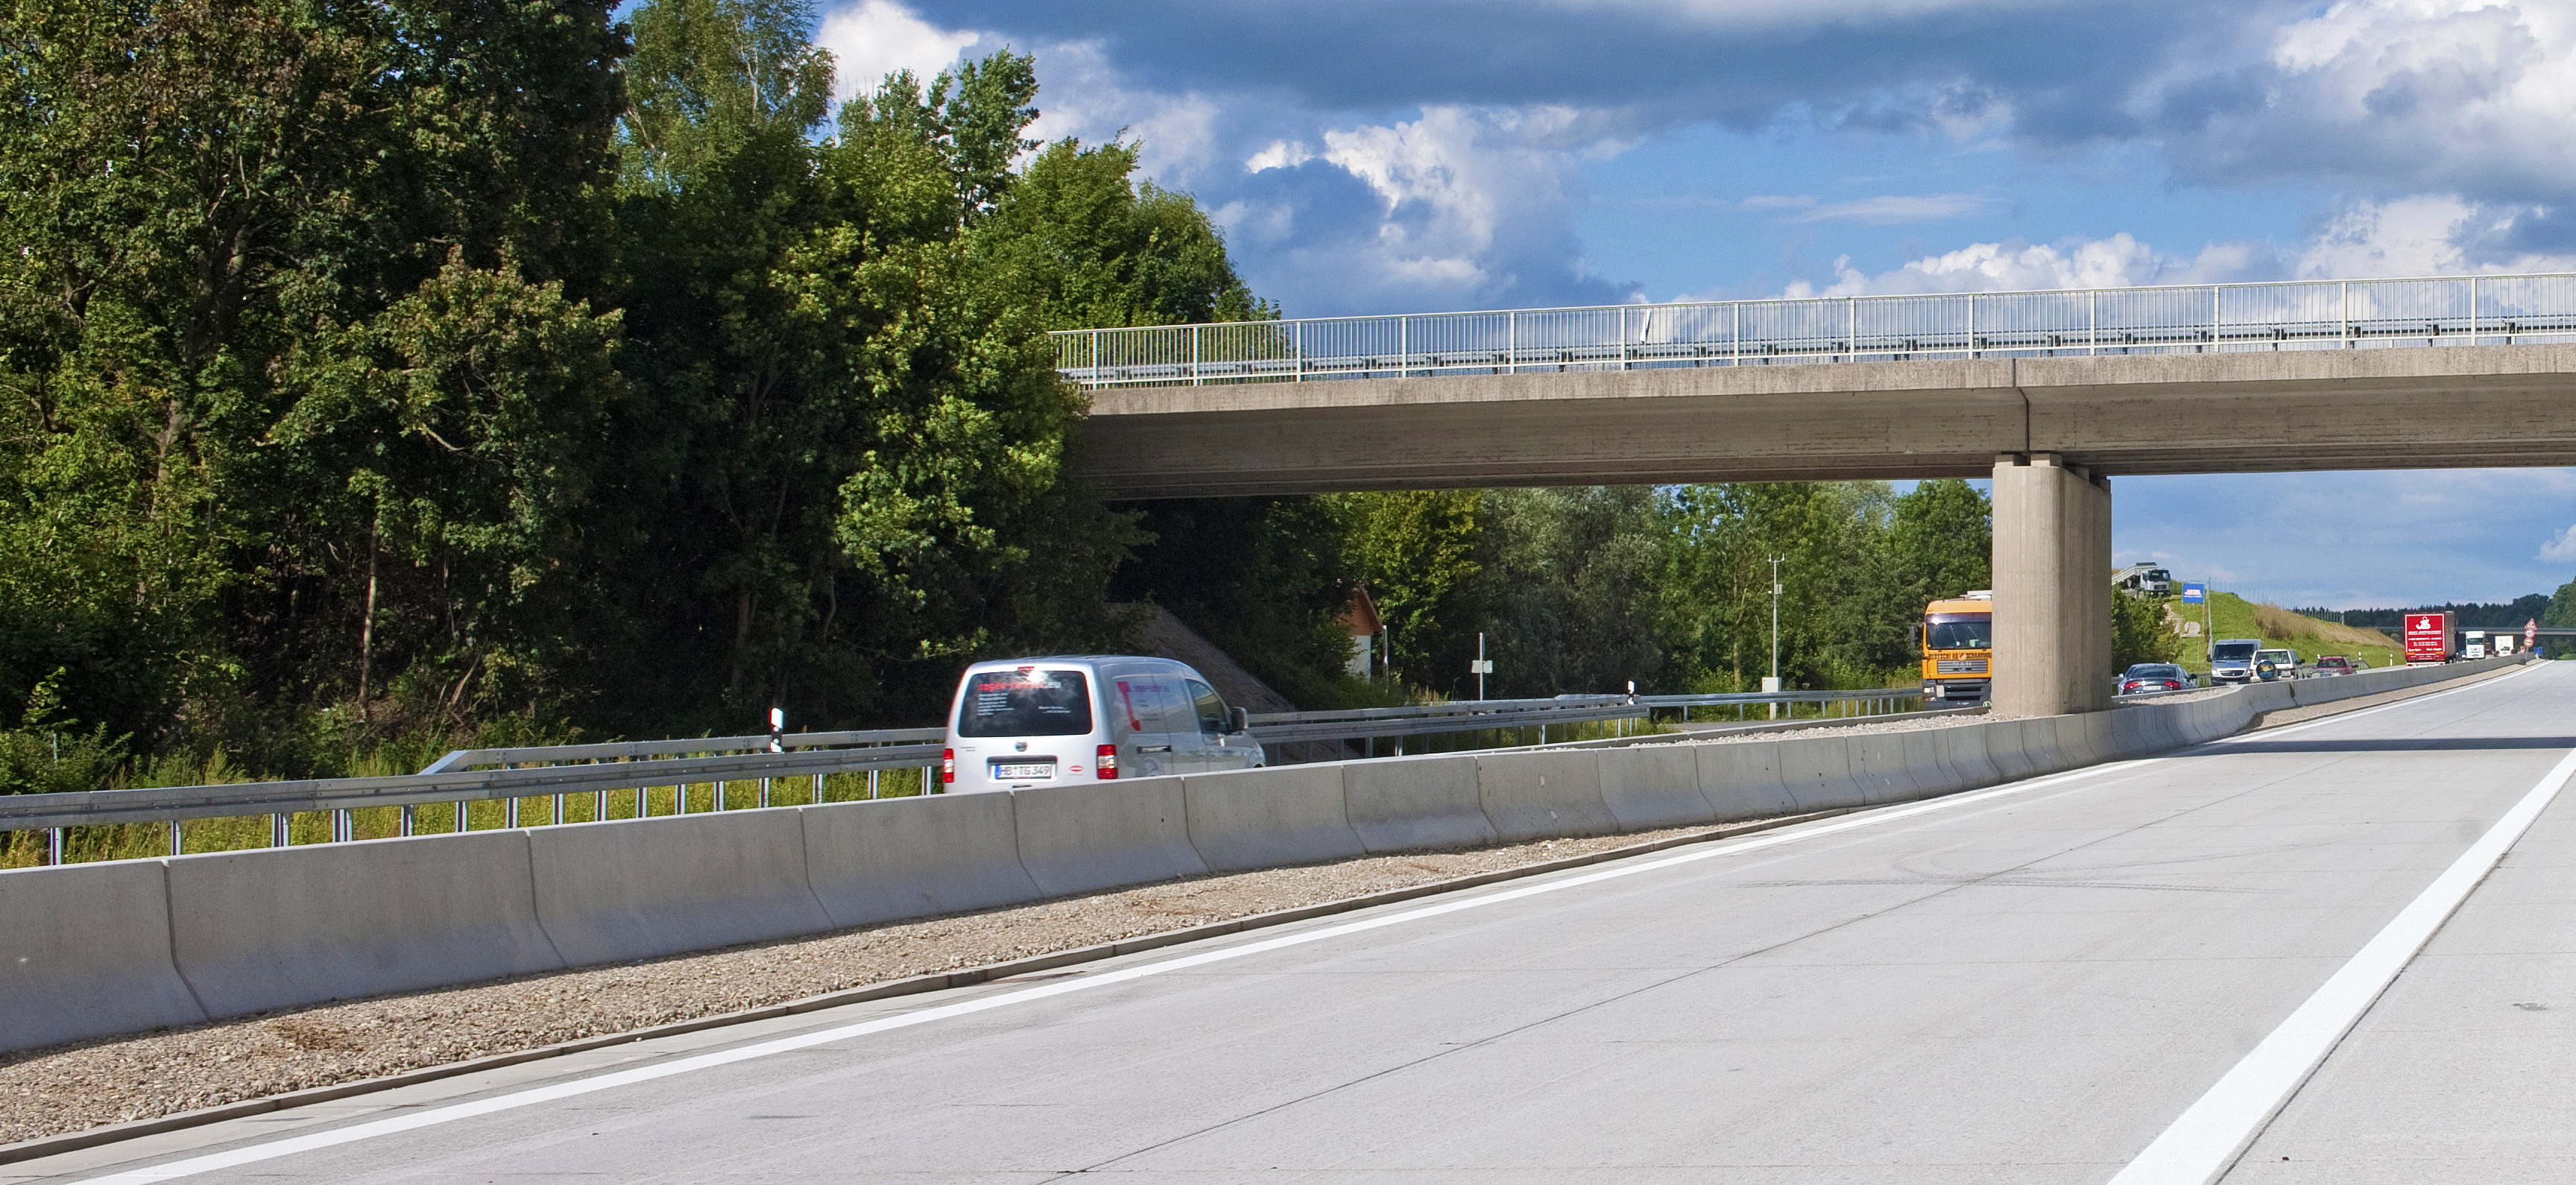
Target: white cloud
(1898,209)
(2561,550)
(2425,235)
(1281,154)
(875,38)
(1470,194)
(1082,94)
(2116,262)
(2443,96)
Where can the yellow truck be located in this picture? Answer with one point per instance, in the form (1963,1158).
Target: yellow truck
(1958,649)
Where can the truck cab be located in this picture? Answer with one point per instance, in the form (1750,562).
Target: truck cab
(1959,649)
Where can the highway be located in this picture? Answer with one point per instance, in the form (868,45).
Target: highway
(2031,983)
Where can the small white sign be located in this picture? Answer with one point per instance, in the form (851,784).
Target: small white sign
(1480,666)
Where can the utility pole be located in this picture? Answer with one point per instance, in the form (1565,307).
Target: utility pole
(1772,684)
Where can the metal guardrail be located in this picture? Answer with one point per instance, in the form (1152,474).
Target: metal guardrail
(559,771)
(2203,318)
(633,750)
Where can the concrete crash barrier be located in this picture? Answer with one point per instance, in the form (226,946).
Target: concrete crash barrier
(1817,771)
(2008,748)
(85,952)
(274,927)
(1932,772)
(1741,780)
(1651,786)
(1080,837)
(912,857)
(1879,765)
(1964,750)
(1398,803)
(639,888)
(1543,794)
(1267,818)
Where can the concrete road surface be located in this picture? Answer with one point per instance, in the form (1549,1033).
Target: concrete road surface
(2028,984)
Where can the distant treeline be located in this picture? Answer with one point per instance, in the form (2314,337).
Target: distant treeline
(2483,615)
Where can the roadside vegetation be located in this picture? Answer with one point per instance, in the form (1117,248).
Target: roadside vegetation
(2235,617)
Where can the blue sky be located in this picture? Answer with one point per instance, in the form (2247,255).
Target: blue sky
(1444,154)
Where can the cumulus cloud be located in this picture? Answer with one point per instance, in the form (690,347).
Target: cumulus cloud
(2430,234)
(2468,97)
(2561,550)
(2114,262)
(874,38)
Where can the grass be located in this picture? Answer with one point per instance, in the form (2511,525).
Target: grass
(131,841)
(2233,616)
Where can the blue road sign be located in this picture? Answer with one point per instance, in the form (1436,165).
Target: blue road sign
(2194,594)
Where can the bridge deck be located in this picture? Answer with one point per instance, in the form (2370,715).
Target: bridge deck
(2229,412)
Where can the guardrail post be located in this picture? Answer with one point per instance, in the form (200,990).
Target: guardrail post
(277,837)
(178,838)
(54,846)
(410,821)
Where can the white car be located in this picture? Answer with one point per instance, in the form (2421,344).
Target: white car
(1026,722)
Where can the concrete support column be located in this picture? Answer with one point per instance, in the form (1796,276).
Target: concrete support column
(2052,587)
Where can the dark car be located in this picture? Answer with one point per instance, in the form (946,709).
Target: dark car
(2333,664)
(2153,676)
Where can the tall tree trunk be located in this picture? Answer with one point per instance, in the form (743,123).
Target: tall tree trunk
(367,628)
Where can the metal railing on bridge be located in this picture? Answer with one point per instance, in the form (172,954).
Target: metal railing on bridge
(2204,318)
(741,772)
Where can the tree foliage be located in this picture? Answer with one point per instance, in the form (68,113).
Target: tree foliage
(385,365)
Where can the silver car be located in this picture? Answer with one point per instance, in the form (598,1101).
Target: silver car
(1025,722)
(2231,660)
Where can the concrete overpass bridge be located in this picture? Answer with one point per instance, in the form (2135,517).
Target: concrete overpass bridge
(2051,394)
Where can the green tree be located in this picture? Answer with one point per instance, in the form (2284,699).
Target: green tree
(2139,633)
(1416,551)
(1941,540)
(197,188)
(1844,612)
(1566,584)
(1098,251)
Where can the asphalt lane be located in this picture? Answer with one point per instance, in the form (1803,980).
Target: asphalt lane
(2016,987)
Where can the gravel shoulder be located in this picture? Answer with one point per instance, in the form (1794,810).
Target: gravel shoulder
(73,1087)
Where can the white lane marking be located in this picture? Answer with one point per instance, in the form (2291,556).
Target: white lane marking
(254,1154)
(289,1146)
(2205,1142)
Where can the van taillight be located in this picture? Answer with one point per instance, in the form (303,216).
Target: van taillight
(948,767)
(1106,761)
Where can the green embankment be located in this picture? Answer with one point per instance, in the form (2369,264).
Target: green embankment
(2232,616)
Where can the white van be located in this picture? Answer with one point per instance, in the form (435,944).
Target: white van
(1025,722)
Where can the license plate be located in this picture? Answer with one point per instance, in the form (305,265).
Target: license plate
(1022,771)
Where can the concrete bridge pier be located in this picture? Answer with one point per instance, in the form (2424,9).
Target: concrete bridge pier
(2052,587)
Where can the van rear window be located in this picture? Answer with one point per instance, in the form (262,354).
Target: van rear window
(1028,702)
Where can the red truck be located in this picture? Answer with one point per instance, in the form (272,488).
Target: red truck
(2428,638)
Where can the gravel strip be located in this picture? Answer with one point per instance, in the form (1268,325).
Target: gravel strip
(113,1080)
